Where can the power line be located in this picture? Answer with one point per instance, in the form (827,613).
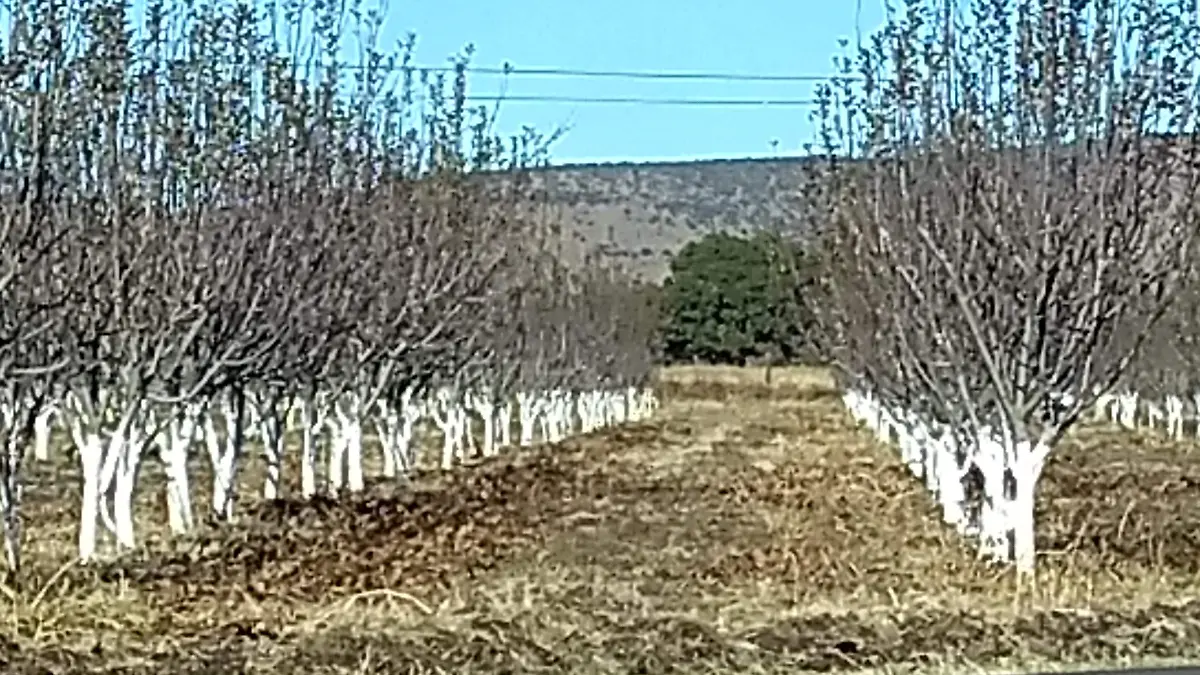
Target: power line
(616,74)
(628,100)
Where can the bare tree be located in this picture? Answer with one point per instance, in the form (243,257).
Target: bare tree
(1016,211)
(207,232)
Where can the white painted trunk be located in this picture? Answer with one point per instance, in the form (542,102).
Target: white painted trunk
(563,416)
(224,468)
(560,418)
(527,414)
(1103,408)
(632,407)
(951,496)
(620,409)
(270,431)
(127,448)
(1114,408)
(108,475)
(10,499)
(345,449)
(41,434)
(587,413)
(400,445)
(352,441)
(312,420)
(1127,415)
(386,422)
(335,478)
(484,406)
(1155,416)
(90,448)
(445,416)
(994,512)
(394,425)
(1029,459)
(504,420)
(179,499)
(224,457)
(174,442)
(489,432)
(929,462)
(1196,408)
(1174,410)
(467,445)
(449,447)
(101,457)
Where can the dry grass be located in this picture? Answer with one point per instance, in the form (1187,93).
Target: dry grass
(748,528)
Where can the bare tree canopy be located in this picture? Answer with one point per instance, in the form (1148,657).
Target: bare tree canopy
(1010,192)
(212,232)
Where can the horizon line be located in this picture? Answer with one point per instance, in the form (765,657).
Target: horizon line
(556,162)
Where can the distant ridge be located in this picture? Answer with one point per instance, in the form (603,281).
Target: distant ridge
(640,213)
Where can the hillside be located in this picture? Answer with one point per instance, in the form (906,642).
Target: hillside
(641,214)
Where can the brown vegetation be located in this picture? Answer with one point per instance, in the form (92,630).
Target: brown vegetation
(748,528)
(640,215)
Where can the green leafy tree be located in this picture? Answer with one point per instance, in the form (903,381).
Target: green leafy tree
(732,299)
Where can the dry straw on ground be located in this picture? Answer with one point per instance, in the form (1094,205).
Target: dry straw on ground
(748,528)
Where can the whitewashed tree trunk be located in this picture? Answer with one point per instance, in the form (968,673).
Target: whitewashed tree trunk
(560,416)
(11,486)
(1196,412)
(1103,408)
(587,412)
(335,471)
(545,409)
(98,466)
(489,431)
(561,419)
(386,421)
(1127,416)
(994,514)
(224,456)
(270,416)
(1155,416)
(484,405)
(312,420)
(1027,460)
(504,421)
(347,453)
(128,449)
(944,474)
(174,442)
(527,414)
(447,415)
(394,425)
(100,433)
(460,425)
(543,423)
(1174,411)
(611,414)
(42,426)
(91,453)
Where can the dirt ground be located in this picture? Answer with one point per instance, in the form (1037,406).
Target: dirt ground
(747,529)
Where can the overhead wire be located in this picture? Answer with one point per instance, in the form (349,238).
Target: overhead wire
(617,74)
(634,100)
(508,70)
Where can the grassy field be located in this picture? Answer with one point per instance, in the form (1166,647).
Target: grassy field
(749,528)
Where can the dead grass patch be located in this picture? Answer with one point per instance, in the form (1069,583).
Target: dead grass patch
(748,528)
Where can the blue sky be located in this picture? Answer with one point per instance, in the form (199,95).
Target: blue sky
(780,37)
